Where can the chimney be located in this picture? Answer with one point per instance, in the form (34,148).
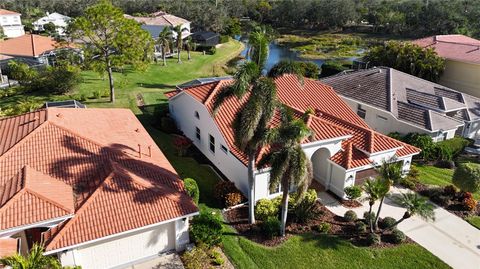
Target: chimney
(33,44)
(139,151)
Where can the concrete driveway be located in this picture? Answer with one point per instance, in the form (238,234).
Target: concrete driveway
(166,261)
(449,237)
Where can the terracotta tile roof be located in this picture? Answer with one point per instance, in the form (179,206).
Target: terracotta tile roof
(8,247)
(29,45)
(14,129)
(160,18)
(455,47)
(8,12)
(69,147)
(333,117)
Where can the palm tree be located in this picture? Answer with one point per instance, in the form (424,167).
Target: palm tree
(189,45)
(178,30)
(389,172)
(290,167)
(258,51)
(374,189)
(34,260)
(164,40)
(415,205)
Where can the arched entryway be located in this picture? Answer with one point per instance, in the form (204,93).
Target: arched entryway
(321,166)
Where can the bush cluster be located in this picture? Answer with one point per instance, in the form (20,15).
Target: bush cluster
(350,215)
(182,144)
(206,229)
(323,227)
(353,192)
(266,208)
(467,177)
(398,236)
(192,189)
(373,239)
(304,209)
(271,227)
(386,222)
(468,202)
(360,226)
(227,193)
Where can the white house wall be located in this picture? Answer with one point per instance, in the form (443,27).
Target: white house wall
(122,250)
(12,25)
(391,124)
(182,110)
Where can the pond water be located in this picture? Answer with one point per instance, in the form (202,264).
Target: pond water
(278,53)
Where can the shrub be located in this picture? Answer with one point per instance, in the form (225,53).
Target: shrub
(360,227)
(413,174)
(468,202)
(192,189)
(218,261)
(373,239)
(305,208)
(350,215)
(424,142)
(310,69)
(271,227)
(265,208)
(181,144)
(195,258)
(224,39)
(386,222)
(233,199)
(454,146)
(396,135)
(353,192)
(398,236)
(216,257)
(221,191)
(441,199)
(206,229)
(367,217)
(408,183)
(450,190)
(467,177)
(323,228)
(96,94)
(330,68)
(167,125)
(106,93)
(212,50)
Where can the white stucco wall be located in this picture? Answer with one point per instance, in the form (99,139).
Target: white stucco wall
(183,112)
(462,76)
(123,249)
(375,118)
(12,25)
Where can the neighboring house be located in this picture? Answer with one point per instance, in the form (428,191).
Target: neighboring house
(392,101)
(206,38)
(64,104)
(11,23)
(343,149)
(462,54)
(31,49)
(97,193)
(60,21)
(155,23)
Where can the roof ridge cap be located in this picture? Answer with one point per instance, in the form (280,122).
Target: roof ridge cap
(80,210)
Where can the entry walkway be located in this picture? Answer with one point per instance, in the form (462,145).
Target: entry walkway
(165,261)
(449,237)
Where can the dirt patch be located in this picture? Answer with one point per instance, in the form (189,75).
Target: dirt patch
(238,219)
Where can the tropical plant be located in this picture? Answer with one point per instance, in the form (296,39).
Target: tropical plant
(111,40)
(289,164)
(189,46)
(191,187)
(265,208)
(206,229)
(164,40)
(34,260)
(178,41)
(389,172)
(258,50)
(467,177)
(353,192)
(415,205)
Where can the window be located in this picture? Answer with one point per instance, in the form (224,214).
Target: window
(382,118)
(224,149)
(274,191)
(197,133)
(197,115)
(361,112)
(212,143)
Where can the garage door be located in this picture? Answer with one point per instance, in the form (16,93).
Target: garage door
(129,248)
(363,175)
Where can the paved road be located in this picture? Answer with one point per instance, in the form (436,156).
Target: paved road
(450,238)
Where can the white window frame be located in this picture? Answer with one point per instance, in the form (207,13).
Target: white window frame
(211,145)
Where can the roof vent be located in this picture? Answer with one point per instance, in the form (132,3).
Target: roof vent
(137,130)
(59,115)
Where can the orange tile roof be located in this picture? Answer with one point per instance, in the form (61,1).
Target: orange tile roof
(8,12)
(8,247)
(68,146)
(29,45)
(333,118)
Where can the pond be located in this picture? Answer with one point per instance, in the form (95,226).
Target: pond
(278,53)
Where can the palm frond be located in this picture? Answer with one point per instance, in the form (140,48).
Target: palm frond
(221,97)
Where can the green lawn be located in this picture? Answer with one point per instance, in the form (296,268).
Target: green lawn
(475,221)
(431,175)
(152,82)
(321,251)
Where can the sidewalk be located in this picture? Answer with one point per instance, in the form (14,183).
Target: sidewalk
(449,237)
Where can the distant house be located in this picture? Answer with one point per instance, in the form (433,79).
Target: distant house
(11,23)
(392,101)
(60,21)
(462,54)
(343,149)
(155,23)
(30,48)
(206,38)
(92,186)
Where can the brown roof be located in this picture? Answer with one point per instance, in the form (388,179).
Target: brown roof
(455,47)
(106,157)
(8,12)
(333,117)
(29,45)
(159,18)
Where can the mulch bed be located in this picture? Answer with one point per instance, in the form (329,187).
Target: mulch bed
(238,219)
(345,203)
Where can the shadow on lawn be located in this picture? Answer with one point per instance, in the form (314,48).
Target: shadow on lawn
(325,241)
(155,85)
